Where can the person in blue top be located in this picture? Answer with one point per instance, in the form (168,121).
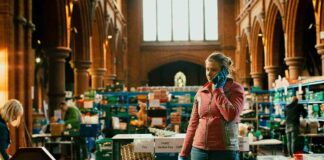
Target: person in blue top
(11,113)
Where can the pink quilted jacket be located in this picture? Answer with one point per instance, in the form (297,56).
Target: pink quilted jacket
(214,118)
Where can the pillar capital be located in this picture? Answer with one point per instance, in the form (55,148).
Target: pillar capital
(257,79)
(272,69)
(81,64)
(97,75)
(294,61)
(294,66)
(257,74)
(58,52)
(98,71)
(320,50)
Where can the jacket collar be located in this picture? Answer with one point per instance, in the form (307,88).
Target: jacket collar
(207,85)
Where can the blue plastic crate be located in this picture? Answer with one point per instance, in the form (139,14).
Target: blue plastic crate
(89,130)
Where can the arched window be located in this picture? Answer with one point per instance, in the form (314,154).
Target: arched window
(180,79)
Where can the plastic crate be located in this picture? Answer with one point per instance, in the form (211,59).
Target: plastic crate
(89,130)
(104,149)
(313,156)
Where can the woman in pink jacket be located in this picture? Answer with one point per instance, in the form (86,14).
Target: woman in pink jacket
(213,128)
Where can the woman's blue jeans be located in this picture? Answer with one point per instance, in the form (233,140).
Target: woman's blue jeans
(199,154)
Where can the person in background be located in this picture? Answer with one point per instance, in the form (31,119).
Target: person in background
(293,112)
(12,113)
(213,128)
(72,117)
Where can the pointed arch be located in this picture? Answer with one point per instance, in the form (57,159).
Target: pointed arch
(274,21)
(98,37)
(257,49)
(245,60)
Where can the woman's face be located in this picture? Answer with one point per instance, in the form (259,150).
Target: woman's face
(16,120)
(212,68)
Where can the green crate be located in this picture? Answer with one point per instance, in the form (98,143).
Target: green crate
(319,96)
(104,149)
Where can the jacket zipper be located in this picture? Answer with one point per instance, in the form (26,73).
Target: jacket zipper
(206,134)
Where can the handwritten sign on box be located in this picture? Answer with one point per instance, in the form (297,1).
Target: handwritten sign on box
(88,104)
(144,145)
(168,144)
(244,144)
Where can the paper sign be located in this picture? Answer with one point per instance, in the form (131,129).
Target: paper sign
(88,104)
(154,103)
(244,144)
(58,114)
(164,145)
(168,145)
(144,145)
(115,122)
(157,121)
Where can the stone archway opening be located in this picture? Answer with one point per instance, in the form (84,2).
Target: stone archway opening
(305,39)
(164,75)
(261,60)
(278,54)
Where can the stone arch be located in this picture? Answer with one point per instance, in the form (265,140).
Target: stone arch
(174,58)
(274,43)
(110,53)
(120,68)
(80,33)
(244,63)
(80,44)
(257,54)
(98,36)
(281,8)
(273,14)
(301,39)
(98,55)
(165,74)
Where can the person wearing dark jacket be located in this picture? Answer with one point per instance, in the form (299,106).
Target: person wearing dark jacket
(11,113)
(293,112)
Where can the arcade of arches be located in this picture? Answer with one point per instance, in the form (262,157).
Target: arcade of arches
(89,44)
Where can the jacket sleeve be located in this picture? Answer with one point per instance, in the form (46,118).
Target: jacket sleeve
(303,111)
(3,143)
(191,130)
(230,107)
(73,117)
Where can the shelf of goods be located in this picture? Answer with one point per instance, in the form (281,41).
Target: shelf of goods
(269,115)
(123,106)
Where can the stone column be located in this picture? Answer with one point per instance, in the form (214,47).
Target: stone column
(295,66)
(273,72)
(97,77)
(56,80)
(109,79)
(320,50)
(257,79)
(81,76)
